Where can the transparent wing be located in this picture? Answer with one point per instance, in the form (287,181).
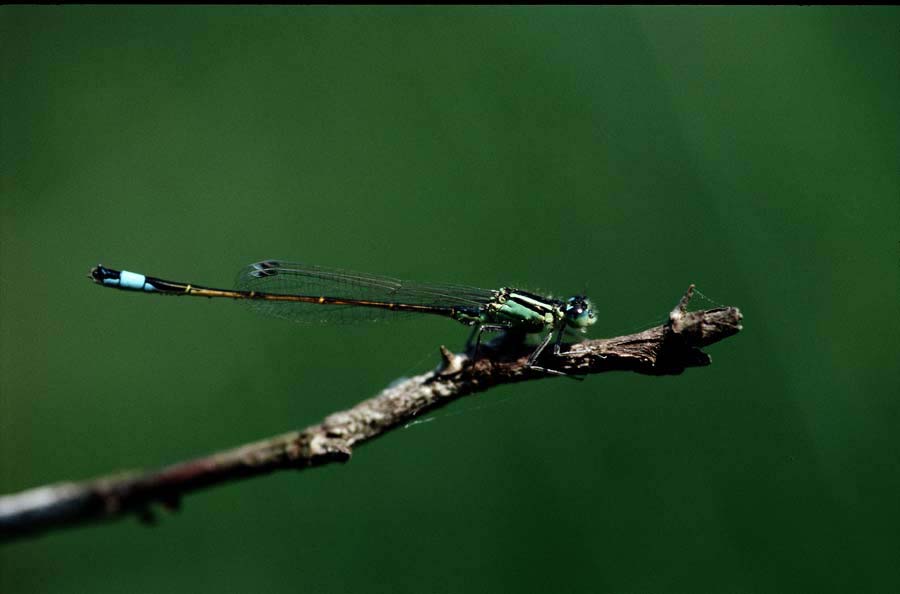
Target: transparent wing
(291,278)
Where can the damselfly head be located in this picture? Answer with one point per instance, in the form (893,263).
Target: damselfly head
(579,312)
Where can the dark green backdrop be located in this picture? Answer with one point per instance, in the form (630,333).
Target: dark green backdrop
(752,151)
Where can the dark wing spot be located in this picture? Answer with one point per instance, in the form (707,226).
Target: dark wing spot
(264,269)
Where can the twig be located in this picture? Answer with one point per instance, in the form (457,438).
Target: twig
(662,350)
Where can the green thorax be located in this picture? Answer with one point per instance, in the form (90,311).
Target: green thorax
(525,311)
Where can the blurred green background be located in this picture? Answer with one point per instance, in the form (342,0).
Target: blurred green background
(755,152)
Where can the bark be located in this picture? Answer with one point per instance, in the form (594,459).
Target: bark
(663,350)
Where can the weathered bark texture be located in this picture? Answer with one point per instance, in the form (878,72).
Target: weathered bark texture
(662,350)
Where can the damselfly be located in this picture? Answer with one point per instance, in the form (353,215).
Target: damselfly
(301,292)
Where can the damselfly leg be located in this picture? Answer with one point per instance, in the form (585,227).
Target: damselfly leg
(532,359)
(476,334)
